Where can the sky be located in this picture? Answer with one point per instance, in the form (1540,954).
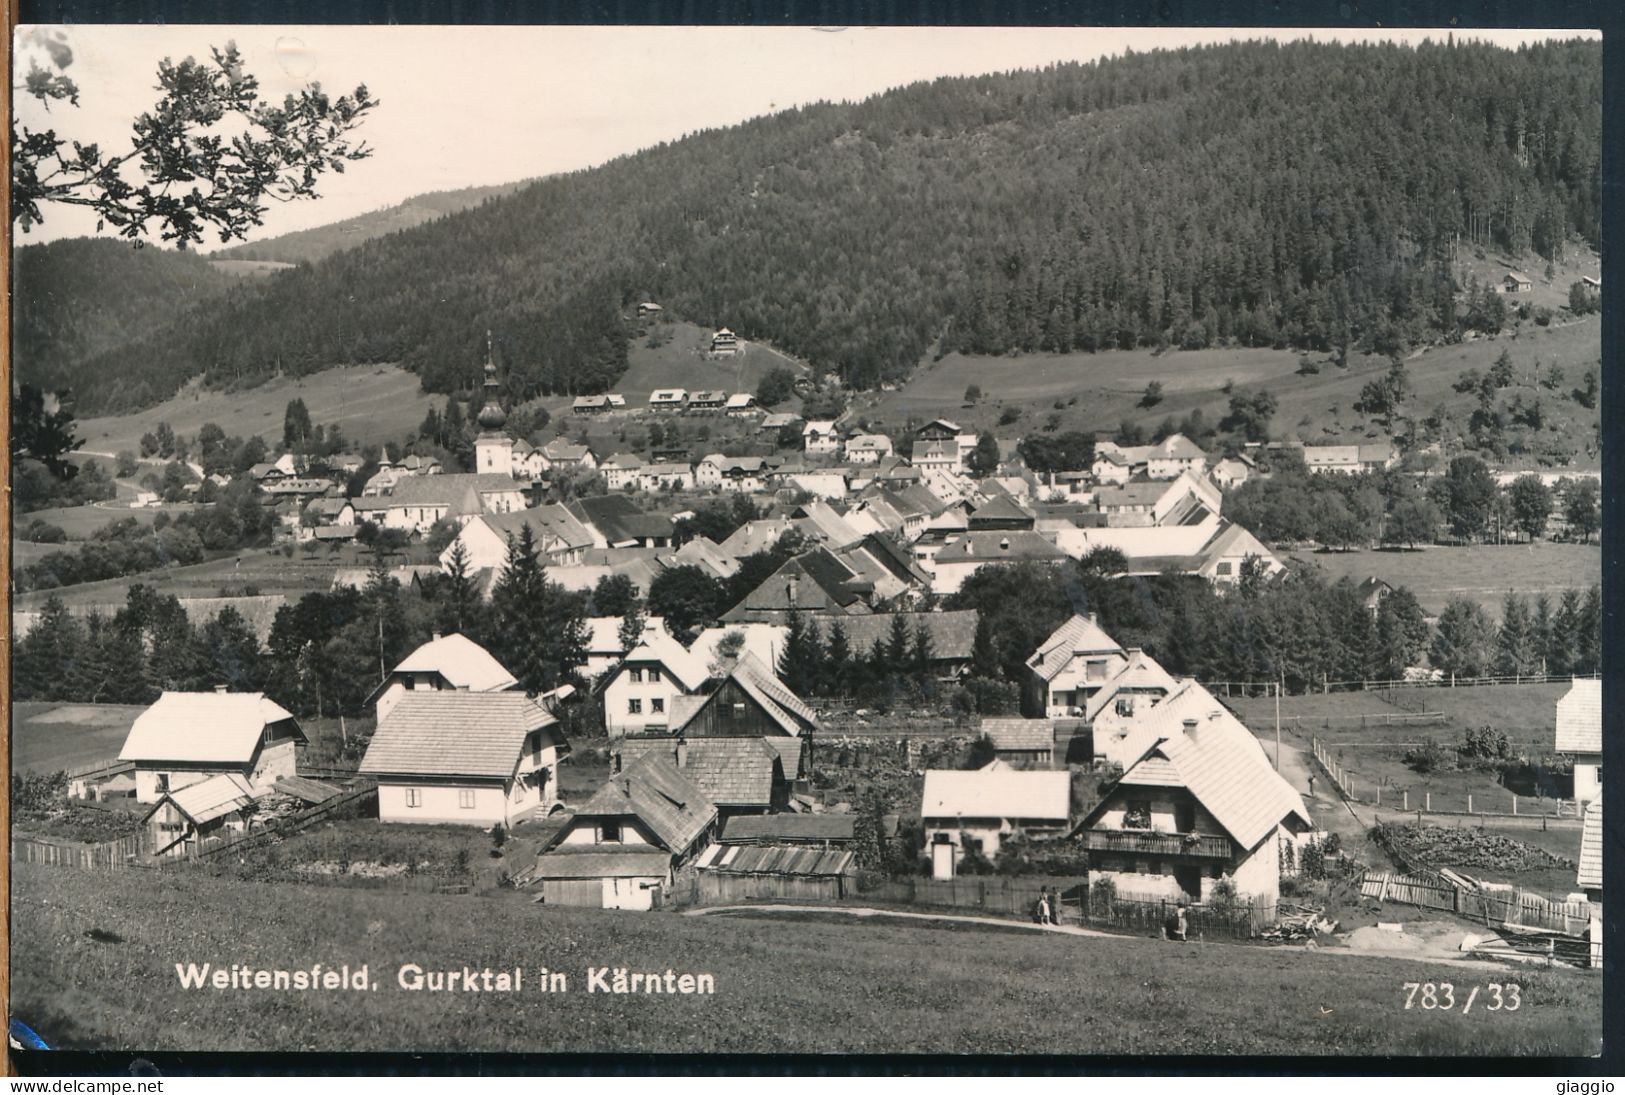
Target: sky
(468,106)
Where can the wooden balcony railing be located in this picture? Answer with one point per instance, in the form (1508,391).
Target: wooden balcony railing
(1162,844)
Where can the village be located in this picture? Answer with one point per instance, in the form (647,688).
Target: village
(673,764)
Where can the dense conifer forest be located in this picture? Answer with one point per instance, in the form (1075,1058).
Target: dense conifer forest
(1255,194)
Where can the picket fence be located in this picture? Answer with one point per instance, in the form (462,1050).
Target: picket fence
(1267,688)
(1510,907)
(66,853)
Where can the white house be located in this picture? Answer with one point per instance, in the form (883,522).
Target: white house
(560,537)
(1589,876)
(666,476)
(621,470)
(819,438)
(668,399)
(604,647)
(1579,733)
(620,849)
(416,502)
(1169,458)
(867,448)
(1075,662)
(444,663)
(979,809)
(465,758)
(1201,803)
(958,560)
(188,737)
(638,693)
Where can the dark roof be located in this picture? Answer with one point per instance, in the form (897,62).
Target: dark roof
(618,518)
(822,583)
(787,828)
(1000,508)
(728,771)
(601,861)
(657,794)
(1020,735)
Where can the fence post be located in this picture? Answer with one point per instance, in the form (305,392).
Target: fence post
(1405,800)
(1514,804)
(1427,801)
(1469,804)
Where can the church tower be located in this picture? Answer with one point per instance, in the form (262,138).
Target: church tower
(493,449)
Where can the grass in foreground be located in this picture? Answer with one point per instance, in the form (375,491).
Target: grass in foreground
(781,986)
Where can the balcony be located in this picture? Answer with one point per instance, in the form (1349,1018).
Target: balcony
(1143,842)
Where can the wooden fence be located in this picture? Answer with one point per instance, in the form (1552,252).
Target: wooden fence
(302,820)
(1494,905)
(1264,688)
(725,887)
(1401,799)
(66,853)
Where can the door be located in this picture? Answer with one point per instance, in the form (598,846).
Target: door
(1189,880)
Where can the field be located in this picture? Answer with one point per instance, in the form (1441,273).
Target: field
(49,737)
(1485,573)
(249,268)
(95,957)
(80,522)
(1099,391)
(371,403)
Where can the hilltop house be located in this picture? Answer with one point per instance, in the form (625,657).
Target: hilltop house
(465,758)
(620,849)
(975,811)
(184,738)
(1200,803)
(444,663)
(639,693)
(1075,662)
(1579,734)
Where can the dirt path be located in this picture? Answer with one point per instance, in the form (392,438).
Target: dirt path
(1328,809)
(1067,929)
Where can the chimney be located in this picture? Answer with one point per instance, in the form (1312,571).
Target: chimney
(680,754)
(436,635)
(1190,729)
(793,589)
(1091,617)
(220,689)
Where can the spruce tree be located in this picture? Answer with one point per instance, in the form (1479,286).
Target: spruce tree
(838,661)
(1563,643)
(231,652)
(1588,645)
(1516,652)
(54,658)
(984,657)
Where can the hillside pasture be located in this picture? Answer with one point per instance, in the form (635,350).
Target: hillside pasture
(1484,573)
(249,268)
(82,522)
(781,986)
(370,403)
(51,737)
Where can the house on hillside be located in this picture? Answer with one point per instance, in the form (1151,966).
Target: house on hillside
(445,663)
(1579,734)
(668,399)
(724,343)
(1021,743)
(1589,877)
(622,847)
(1075,662)
(708,400)
(639,692)
(589,404)
(976,811)
(1200,803)
(741,404)
(621,470)
(818,438)
(562,453)
(1516,282)
(867,448)
(561,539)
(184,738)
(465,758)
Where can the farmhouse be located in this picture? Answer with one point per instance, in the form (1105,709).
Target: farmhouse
(621,470)
(741,775)
(638,693)
(188,737)
(1516,282)
(1579,734)
(740,404)
(444,663)
(707,400)
(1199,804)
(183,820)
(745,474)
(724,343)
(668,399)
(749,702)
(619,849)
(867,448)
(965,812)
(1169,458)
(1073,664)
(815,582)
(590,404)
(819,438)
(465,758)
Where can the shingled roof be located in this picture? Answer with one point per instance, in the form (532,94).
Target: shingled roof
(1080,634)
(1579,718)
(1020,735)
(657,794)
(788,828)
(1589,876)
(204,727)
(455,733)
(728,771)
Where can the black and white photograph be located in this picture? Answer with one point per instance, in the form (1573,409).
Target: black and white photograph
(1008,541)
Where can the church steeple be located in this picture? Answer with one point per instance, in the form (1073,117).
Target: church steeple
(492,417)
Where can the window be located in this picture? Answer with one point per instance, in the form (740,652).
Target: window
(657,705)
(414,796)
(1185,817)
(1125,705)
(465,799)
(609,832)
(1138,814)
(654,676)
(1222,568)
(637,676)
(410,682)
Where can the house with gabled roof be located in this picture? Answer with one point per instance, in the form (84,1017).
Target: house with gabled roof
(1199,804)
(604,646)
(819,437)
(1021,743)
(561,452)
(560,537)
(999,513)
(589,404)
(977,810)
(740,404)
(1074,663)
(1138,685)
(638,693)
(750,701)
(668,399)
(616,521)
(184,738)
(416,502)
(814,582)
(707,400)
(621,848)
(959,559)
(706,553)
(444,663)
(621,470)
(742,775)
(1579,734)
(465,758)
(867,448)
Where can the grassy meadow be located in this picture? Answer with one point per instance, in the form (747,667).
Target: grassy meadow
(1484,573)
(49,737)
(95,954)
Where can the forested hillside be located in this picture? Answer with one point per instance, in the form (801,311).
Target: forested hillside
(311,244)
(1253,193)
(77,298)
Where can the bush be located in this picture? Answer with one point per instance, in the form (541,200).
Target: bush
(1223,898)
(1430,756)
(1102,897)
(1009,415)
(1312,861)
(1333,844)
(1485,743)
